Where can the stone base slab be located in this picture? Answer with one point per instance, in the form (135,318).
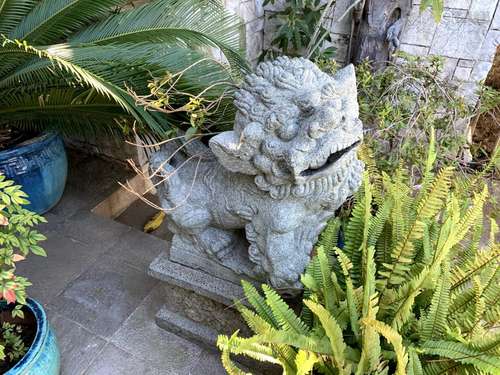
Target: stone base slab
(233,267)
(219,290)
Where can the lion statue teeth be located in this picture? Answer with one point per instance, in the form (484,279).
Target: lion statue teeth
(279,175)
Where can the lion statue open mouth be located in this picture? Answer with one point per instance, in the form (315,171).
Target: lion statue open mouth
(289,163)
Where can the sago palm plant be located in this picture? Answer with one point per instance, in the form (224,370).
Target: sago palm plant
(411,292)
(68,64)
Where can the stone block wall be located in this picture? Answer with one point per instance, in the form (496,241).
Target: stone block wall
(252,13)
(466,37)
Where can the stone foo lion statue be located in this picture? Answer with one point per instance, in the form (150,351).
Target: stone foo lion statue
(289,163)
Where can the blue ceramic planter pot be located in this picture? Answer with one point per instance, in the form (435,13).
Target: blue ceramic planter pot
(43,357)
(40,166)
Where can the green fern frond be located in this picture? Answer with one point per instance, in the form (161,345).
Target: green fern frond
(395,339)
(284,315)
(427,206)
(461,275)
(430,200)
(434,324)
(333,332)
(254,321)
(378,222)
(366,155)
(259,303)
(241,346)
(462,353)
(492,317)
(370,341)
(329,294)
(352,302)
(353,234)
(442,366)
(288,338)
(401,308)
(489,344)
(472,214)
(414,364)
(329,237)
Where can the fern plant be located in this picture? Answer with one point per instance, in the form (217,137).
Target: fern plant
(412,291)
(67,64)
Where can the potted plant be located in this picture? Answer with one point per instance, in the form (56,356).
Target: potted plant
(27,344)
(37,161)
(413,291)
(67,67)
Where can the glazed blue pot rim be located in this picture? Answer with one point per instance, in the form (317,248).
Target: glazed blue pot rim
(28,146)
(40,336)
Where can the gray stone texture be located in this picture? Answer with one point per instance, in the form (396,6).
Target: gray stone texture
(482,9)
(480,71)
(209,286)
(489,46)
(462,73)
(449,66)
(459,38)
(290,160)
(104,295)
(495,23)
(419,28)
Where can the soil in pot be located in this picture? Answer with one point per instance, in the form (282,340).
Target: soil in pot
(11,137)
(27,333)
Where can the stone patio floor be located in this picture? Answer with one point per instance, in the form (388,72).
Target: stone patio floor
(95,288)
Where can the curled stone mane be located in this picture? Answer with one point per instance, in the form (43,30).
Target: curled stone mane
(292,119)
(259,95)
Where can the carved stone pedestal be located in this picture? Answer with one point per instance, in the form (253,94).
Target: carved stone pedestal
(198,305)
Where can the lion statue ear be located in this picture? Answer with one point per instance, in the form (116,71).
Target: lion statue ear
(346,77)
(227,148)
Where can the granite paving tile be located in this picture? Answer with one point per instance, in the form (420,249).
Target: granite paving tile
(114,361)
(102,297)
(141,336)
(66,259)
(78,345)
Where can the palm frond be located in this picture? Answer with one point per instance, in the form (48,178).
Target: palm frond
(191,23)
(63,61)
(70,111)
(51,21)
(12,12)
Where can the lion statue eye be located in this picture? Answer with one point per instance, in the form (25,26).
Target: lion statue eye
(289,131)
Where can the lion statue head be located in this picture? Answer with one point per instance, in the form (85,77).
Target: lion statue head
(296,130)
